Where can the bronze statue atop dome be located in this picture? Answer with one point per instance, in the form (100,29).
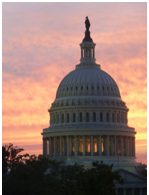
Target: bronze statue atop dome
(87,23)
(87,37)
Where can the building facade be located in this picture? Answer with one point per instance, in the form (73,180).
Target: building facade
(88,119)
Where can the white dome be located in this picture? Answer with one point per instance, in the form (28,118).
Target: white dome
(88,119)
(88,80)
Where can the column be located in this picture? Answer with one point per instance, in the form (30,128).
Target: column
(90,116)
(60,117)
(64,144)
(81,52)
(104,116)
(126,145)
(58,154)
(65,117)
(133,143)
(67,145)
(50,147)
(84,145)
(83,115)
(84,52)
(111,142)
(107,146)
(70,146)
(60,146)
(124,191)
(43,146)
(130,148)
(92,148)
(115,145)
(132,191)
(77,117)
(99,145)
(87,52)
(76,145)
(115,113)
(71,116)
(54,146)
(110,116)
(104,145)
(121,145)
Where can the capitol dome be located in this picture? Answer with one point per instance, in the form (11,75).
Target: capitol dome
(87,80)
(88,119)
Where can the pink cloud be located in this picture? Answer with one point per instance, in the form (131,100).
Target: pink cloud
(41,45)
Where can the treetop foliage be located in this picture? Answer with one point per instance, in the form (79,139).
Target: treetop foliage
(32,175)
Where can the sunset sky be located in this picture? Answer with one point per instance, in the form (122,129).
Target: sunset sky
(40,45)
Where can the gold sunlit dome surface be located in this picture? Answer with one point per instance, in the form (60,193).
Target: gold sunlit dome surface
(88,80)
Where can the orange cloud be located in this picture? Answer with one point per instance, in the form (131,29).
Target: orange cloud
(41,45)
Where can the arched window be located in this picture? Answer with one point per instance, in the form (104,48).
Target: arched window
(80,145)
(88,145)
(113,118)
(80,116)
(107,117)
(81,87)
(92,87)
(67,117)
(95,145)
(86,87)
(87,117)
(76,88)
(101,117)
(74,117)
(94,116)
(97,87)
(118,117)
(62,118)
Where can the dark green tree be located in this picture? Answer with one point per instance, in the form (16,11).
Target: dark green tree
(30,178)
(32,175)
(97,180)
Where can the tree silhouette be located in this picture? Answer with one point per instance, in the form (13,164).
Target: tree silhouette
(10,155)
